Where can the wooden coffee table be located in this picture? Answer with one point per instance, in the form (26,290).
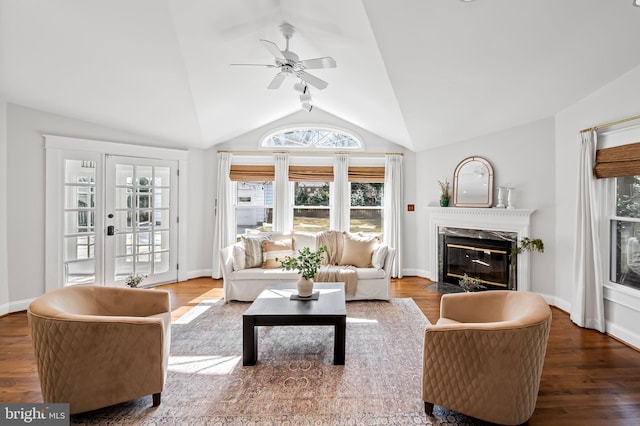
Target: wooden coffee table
(274,307)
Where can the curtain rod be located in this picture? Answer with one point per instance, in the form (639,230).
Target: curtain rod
(612,123)
(236,151)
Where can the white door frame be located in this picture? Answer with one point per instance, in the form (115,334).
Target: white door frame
(56,149)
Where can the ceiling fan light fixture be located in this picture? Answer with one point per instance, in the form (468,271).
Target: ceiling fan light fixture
(636,3)
(307,106)
(300,87)
(305,98)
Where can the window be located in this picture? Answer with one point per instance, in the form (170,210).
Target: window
(625,233)
(314,138)
(254,206)
(311,206)
(367,207)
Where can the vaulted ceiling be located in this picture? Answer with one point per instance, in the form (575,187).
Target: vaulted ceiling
(416,72)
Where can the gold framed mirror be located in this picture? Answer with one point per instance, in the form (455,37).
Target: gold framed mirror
(473,183)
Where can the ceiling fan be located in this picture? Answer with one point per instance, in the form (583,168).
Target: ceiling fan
(290,64)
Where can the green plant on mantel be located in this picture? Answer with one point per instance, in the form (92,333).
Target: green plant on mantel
(528,244)
(444,189)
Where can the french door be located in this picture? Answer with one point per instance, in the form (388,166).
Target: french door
(140,220)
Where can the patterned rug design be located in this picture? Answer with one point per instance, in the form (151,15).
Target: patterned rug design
(294,381)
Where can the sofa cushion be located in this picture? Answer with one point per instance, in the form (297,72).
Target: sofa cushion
(276,249)
(357,251)
(238,254)
(304,239)
(253,250)
(265,275)
(379,255)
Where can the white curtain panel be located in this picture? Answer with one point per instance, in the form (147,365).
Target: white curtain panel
(341,193)
(224,233)
(587,307)
(282,213)
(393,191)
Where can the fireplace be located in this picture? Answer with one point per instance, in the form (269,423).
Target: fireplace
(490,224)
(483,255)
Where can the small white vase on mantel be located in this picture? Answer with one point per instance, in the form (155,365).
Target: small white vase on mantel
(305,287)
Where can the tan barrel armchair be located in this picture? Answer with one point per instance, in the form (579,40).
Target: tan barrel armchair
(98,346)
(484,356)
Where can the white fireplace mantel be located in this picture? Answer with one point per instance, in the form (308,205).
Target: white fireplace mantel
(490,219)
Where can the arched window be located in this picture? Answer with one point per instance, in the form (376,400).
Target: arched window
(312,138)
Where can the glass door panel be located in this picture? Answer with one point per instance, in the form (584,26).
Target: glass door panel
(79,230)
(142,210)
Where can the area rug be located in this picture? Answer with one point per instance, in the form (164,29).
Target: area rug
(294,381)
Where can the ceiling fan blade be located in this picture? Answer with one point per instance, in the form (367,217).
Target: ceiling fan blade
(313,80)
(325,62)
(277,81)
(273,48)
(252,65)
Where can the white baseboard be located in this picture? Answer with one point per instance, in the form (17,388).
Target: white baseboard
(199,273)
(17,306)
(627,336)
(414,272)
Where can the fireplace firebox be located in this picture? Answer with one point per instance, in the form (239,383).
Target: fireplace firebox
(484,255)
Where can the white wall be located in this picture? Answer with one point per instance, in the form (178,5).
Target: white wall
(4,285)
(522,157)
(373,143)
(616,100)
(26,195)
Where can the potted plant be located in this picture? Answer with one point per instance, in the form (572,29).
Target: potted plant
(469,284)
(444,192)
(530,244)
(306,263)
(134,280)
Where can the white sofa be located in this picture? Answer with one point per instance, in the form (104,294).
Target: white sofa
(246,284)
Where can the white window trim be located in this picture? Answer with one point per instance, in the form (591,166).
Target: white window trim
(57,147)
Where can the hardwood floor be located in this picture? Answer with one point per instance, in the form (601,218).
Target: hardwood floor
(588,378)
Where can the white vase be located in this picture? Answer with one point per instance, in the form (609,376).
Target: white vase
(305,287)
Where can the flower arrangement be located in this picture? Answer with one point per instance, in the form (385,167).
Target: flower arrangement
(134,280)
(470,284)
(444,189)
(307,262)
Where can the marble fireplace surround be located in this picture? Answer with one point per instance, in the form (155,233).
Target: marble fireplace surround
(486,219)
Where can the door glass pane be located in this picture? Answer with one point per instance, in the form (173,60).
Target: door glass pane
(161,263)
(123,221)
(162,176)
(123,267)
(79,196)
(124,197)
(144,175)
(161,219)
(82,272)
(144,218)
(124,174)
(79,171)
(161,240)
(124,244)
(161,198)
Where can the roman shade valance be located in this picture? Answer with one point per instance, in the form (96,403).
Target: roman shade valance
(311,173)
(252,173)
(366,174)
(623,160)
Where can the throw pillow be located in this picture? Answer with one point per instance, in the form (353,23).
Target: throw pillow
(253,251)
(356,251)
(239,255)
(379,256)
(273,249)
